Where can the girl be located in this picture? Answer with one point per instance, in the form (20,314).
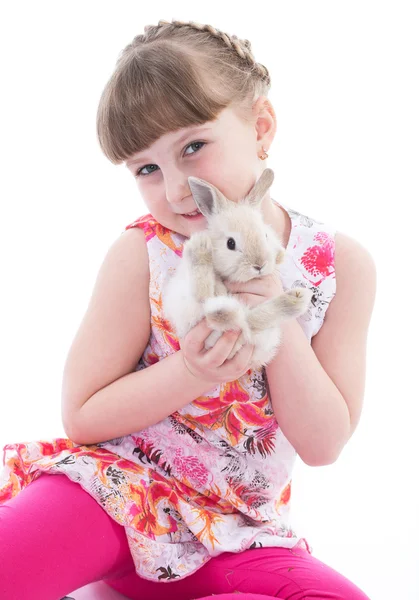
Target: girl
(196,502)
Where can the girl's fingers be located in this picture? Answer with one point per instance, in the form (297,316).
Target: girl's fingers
(242,358)
(195,338)
(219,353)
(215,356)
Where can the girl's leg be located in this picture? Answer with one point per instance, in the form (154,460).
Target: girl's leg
(55,538)
(270,572)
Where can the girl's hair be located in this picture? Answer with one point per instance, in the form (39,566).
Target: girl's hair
(172,76)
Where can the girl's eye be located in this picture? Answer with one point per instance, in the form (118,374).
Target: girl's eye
(196,146)
(152,167)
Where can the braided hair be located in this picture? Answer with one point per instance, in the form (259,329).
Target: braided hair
(174,75)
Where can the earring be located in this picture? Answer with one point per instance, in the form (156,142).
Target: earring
(264,155)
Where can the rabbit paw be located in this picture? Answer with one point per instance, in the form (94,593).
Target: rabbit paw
(288,305)
(298,299)
(224,313)
(198,249)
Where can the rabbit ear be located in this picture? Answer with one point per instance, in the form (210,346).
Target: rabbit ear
(261,187)
(207,197)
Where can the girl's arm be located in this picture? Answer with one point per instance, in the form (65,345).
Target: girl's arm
(140,399)
(317,390)
(115,329)
(137,400)
(103,397)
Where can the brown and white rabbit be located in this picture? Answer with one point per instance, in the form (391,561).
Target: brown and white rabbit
(236,246)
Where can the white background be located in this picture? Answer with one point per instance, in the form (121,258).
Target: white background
(345,88)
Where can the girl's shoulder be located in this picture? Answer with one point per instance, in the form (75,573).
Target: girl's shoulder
(146,222)
(156,232)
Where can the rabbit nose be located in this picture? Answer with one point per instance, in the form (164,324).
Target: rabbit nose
(258,267)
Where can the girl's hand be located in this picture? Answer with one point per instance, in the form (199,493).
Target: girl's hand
(213,365)
(257,290)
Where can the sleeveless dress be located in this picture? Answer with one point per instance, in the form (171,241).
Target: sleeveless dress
(214,476)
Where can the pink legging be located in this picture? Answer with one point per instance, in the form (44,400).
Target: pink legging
(55,538)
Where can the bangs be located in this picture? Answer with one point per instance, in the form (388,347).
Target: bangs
(157,90)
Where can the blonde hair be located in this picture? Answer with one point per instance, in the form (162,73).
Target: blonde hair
(172,76)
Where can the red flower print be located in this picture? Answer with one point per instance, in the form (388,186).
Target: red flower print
(319,260)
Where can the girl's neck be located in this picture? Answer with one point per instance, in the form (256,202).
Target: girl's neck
(278,218)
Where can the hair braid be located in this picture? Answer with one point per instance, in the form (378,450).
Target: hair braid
(241,47)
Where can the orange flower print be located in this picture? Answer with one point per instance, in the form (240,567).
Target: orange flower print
(164,327)
(230,410)
(286,494)
(284,498)
(144,510)
(152,228)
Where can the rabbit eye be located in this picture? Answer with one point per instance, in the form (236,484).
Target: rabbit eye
(231,244)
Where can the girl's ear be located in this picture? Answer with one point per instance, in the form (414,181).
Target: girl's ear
(256,194)
(207,197)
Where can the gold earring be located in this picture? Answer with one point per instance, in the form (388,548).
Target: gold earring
(264,155)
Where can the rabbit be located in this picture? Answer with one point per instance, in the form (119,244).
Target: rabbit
(236,246)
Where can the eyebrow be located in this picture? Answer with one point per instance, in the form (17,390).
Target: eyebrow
(178,141)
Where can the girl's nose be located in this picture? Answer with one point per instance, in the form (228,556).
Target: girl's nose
(177,188)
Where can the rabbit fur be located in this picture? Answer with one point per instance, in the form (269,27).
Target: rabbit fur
(196,290)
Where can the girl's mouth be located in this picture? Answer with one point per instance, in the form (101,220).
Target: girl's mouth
(194,216)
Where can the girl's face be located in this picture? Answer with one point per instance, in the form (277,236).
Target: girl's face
(224,152)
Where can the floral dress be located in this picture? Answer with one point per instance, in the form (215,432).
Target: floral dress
(214,476)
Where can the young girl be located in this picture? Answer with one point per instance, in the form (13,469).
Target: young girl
(196,502)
